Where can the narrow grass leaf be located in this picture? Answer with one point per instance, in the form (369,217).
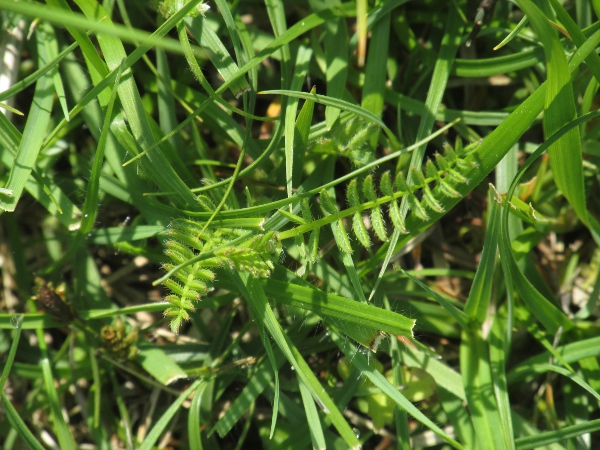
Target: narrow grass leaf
(294,154)
(477,380)
(48,36)
(565,155)
(547,438)
(38,119)
(258,303)
(312,418)
(376,69)
(219,55)
(18,424)
(359,360)
(498,358)
(161,425)
(459,316)
(578,37)
(194,425)
(336,58)
(155,162)
(476,307)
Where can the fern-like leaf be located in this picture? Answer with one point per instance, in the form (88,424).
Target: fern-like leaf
(194,281)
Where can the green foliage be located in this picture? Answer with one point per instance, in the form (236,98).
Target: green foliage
(327,255)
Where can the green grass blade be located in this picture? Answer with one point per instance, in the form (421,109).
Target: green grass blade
(220,57)
(60,427)
(70,19)
(312,418)
(339,308)
(477,380)
(337,103)
(49,37)
(16,321)
(376,70)
(550,437)
(294,155)
(258,303)
(360,361)
(155,162)
(194,424)
(565,155)
(19,425)
(481,291)
(336,58)
(160,426)
(38,119)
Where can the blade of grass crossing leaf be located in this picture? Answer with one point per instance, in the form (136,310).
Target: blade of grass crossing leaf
(565,155)
(90,206)
(312,418)
(353,275)
(38,118)
(477,380)
(30,79)
(160,426)
(361,362)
